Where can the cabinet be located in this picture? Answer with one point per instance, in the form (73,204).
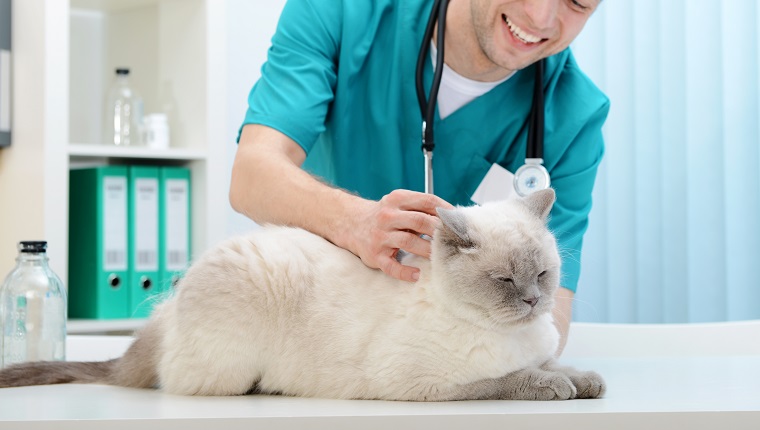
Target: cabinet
(66,55)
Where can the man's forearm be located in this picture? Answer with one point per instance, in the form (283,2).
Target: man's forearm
(269,186)
(563,312)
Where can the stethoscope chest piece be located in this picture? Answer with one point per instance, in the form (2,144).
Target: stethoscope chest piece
(531,177)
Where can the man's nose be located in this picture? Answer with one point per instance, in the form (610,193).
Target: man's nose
(542,13)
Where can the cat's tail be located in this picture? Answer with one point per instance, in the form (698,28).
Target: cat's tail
(55,372)
(137,368)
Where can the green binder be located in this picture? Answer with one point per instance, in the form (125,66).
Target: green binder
(174,227)
(143,240)
(98,272)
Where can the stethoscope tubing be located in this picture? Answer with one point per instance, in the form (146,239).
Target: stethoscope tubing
(535,144)
(427,105)
(535,148)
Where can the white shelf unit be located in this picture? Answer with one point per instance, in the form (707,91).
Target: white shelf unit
(67,52)
(84,151)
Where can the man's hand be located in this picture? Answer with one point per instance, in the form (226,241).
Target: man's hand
(269,186)
(379,229)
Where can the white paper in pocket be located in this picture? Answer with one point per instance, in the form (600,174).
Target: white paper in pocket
(498,184)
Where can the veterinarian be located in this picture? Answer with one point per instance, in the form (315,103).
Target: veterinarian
(331,141)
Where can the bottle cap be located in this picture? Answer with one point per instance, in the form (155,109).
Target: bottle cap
(122,71)
(32,246)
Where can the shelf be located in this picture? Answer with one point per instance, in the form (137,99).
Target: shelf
(176,50)
(110,5)
(104,151)
(82,326)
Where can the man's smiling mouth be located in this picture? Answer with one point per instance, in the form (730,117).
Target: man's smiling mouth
(519,33)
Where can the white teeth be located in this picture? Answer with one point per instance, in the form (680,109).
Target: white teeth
(520,33)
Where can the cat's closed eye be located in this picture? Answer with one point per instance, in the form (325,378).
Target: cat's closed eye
(540,275)
(505,280)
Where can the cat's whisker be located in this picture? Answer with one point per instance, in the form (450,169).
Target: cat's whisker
(569,254)
(563,315)
(576,300)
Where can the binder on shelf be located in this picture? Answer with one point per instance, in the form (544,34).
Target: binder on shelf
(98,243)
(143,240)
(174,227)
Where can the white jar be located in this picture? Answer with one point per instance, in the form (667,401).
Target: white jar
(157,131)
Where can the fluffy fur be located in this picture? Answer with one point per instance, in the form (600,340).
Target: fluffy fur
(284,311)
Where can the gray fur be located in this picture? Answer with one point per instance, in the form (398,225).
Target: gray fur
(540,202)
(136,369)
(454,231)
(549,381)
(55,372)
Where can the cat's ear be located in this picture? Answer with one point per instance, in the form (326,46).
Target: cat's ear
(540,202)
(454,231)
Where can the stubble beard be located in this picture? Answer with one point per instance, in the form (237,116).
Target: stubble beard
(484,34)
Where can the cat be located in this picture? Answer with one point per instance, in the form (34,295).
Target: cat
(283,311)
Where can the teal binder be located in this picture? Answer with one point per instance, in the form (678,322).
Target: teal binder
(143,240)
(98,241)
(174,227)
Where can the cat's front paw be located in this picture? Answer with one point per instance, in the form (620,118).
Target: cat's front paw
(589,385)
(536,384)
(554,386)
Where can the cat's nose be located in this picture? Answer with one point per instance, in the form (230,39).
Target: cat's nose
(531,301)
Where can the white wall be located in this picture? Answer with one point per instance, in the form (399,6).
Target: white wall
(33,171)
(250,26)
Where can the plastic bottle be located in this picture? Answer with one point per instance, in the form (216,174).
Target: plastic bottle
(33,309)
(123,112)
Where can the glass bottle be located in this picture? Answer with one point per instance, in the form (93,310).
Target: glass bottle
(123,112)
(33,309)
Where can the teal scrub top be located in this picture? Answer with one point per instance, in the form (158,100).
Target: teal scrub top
(339,81)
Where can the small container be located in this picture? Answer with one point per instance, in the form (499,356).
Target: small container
(32,309)
(157,134)
(124,111)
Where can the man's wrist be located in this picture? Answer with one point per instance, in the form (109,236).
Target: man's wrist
(343,219)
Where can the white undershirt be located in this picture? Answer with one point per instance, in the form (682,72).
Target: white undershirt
(456,90)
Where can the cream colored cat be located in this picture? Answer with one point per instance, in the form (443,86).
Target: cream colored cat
(284,311)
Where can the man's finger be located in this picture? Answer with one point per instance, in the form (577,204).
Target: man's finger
(394,269)
(415,201)
(426,203)
(418,222)
(409,242)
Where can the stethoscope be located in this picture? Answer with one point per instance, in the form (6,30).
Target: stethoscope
(531,176)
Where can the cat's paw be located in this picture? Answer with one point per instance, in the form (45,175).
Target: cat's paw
(535,384)
(555,386)
(589,385)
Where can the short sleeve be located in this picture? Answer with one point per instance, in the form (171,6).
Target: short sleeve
(573,180)
(298,79)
